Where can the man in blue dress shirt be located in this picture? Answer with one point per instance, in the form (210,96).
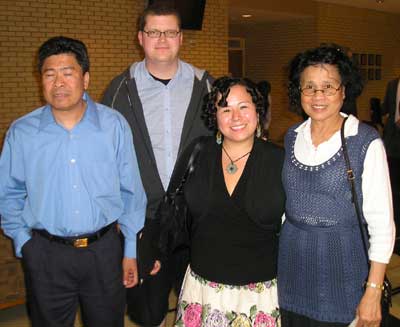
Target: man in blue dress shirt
(69,174)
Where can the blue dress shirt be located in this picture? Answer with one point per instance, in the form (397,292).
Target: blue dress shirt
(70,182)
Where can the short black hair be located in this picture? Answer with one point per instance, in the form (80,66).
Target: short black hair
(60,45)
(330,55)
(159,8)
(222,86)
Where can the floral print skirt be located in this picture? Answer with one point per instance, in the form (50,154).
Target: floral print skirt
(203,303)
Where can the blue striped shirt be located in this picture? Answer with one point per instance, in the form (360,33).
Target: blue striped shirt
(164,108)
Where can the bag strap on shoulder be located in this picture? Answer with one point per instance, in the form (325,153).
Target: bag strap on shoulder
(351,179)
(191,164)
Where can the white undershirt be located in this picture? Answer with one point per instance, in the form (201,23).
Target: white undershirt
(377,194)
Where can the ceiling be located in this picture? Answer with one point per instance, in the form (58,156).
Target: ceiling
(259,15)
(260,12)
(392,6)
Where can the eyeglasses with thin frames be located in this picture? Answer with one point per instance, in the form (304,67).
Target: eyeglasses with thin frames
(154,34)
(328,90)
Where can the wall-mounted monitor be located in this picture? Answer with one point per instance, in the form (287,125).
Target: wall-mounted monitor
(191,12)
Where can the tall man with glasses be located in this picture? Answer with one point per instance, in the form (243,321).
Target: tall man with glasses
(161,97)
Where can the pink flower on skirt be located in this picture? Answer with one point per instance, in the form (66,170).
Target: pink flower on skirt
(264,320)
(252,286)
(213,284)
(192,315)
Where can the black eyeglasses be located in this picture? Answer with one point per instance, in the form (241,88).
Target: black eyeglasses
(328,90)
(157,34)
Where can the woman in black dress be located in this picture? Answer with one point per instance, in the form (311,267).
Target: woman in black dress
(236,200)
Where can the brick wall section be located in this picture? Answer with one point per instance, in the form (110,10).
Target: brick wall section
(269,47)
(109,30)
(106,28)
(364,31)
(208,48)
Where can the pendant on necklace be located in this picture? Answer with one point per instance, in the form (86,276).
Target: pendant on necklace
(231,168)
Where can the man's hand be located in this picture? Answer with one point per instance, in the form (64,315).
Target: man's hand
(130,272)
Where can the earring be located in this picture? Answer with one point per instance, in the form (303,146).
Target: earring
(258,132)
(218,137)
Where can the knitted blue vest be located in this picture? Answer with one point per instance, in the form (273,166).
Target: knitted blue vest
(322,265)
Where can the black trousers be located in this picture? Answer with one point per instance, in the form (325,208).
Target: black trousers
(291,319)
(60,277)
(147,304)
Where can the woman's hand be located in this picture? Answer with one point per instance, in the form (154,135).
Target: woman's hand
(369,309)
(156,268)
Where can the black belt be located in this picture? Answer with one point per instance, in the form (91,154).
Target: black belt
(79,241)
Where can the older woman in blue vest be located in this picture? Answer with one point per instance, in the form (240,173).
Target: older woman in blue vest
(322,267)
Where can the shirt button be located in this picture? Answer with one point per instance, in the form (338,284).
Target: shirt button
(72,161)
(77,212)
(75,186)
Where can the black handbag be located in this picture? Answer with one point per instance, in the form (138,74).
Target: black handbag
(171,227)
(147,251)
(386,299)
(175,220)
(147,303)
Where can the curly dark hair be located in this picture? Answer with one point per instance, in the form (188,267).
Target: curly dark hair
(326,54)
(60,45)
(265,88)
(221,87)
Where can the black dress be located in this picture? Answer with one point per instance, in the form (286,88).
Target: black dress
(234,240)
